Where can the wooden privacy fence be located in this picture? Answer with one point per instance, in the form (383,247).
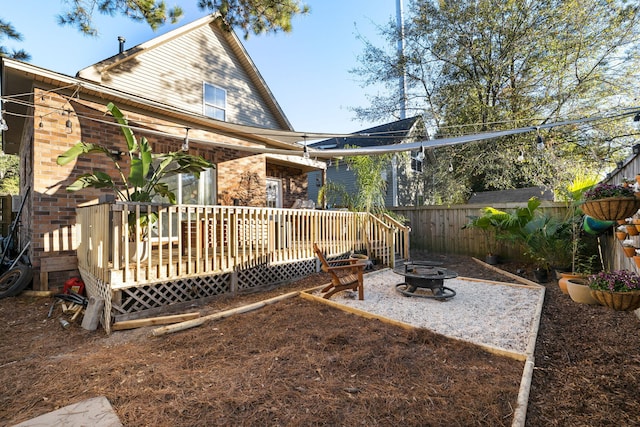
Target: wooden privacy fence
(439,229)
(190,240)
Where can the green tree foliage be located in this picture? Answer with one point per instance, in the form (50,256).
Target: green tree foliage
(9,177)
(252,16)
(369,172)
(484,65)
(257,16)
(8,31)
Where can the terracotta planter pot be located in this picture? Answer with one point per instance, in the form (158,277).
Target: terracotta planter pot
(565,277)
(636,259)
(580,292)
(621,235)
(632,230)
(621,221)
(629,251)
(622,301)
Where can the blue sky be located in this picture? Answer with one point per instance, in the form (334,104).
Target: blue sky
(307,70)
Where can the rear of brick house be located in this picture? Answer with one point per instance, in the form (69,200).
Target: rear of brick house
(197,78)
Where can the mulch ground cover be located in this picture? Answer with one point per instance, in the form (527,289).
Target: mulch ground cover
(300,363)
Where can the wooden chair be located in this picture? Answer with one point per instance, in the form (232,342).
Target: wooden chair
(343,277)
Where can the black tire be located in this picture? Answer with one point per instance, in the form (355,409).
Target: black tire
(15,280)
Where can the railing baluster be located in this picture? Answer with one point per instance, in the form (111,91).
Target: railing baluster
(215,239)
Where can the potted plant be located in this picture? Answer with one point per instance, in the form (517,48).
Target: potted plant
(636,258)
(629,247)
(548,242)
(610,202)
(579,291)
(621,232)
(583,266)
(490,224)
(144,180)
(619,290)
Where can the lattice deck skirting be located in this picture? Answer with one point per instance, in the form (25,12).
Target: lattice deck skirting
(136,300)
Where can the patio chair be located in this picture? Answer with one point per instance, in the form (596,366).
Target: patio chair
(343,276)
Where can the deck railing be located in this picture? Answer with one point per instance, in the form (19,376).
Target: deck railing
(117,248)
(401,236)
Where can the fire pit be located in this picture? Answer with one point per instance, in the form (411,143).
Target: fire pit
(426,275)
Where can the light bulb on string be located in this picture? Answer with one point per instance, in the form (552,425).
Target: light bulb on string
(521,156)
(450,167)
(185,143)
(539,140)
(3,123)
(68,124)
(41,124)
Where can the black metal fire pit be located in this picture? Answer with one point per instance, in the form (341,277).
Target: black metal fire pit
(426,275)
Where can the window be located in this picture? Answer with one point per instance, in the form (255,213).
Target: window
(189,190)
(215,102)
(417,157)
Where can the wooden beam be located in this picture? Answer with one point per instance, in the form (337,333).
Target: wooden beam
(221,315)
(162,320)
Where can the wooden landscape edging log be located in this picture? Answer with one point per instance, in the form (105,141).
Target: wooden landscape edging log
(162,320)
(221,315)
(506,273)
(520,413)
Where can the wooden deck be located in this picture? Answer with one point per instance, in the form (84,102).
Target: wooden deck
(190,249)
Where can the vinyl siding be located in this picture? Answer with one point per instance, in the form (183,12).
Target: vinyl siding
(174,72)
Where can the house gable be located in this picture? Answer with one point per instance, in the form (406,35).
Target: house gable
(172,69)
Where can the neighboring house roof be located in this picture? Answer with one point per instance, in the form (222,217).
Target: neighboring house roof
(187,38)
(389,133)
(507,196)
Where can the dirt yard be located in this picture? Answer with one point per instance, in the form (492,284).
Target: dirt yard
(299,363)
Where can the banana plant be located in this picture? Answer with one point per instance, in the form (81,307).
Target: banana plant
(147,171)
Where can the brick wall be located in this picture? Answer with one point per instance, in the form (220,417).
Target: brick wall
(50,211)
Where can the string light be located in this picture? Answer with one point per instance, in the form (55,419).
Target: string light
(383,149)
(306,152)
(185,143)
(450,167)
(41,124)
(68,125)
(521,156)
(539,140)
(3,123)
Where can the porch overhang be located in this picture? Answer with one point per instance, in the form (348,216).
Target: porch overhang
(302,163)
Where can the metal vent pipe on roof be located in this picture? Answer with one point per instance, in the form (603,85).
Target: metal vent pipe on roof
(121,41)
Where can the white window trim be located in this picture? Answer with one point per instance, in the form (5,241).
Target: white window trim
(204,101)
(279,195)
